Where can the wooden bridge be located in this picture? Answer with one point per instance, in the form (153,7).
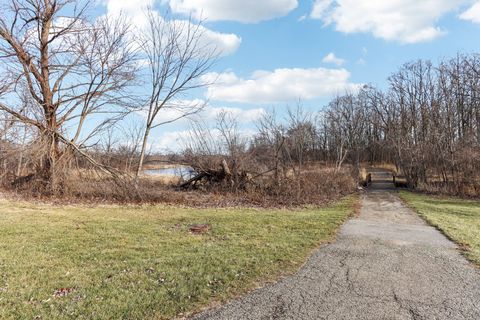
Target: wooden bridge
(380,179)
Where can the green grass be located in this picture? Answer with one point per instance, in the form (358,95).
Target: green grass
(142,262)
(458,219)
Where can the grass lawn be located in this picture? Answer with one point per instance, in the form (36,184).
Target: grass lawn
(458,219)
(142,262)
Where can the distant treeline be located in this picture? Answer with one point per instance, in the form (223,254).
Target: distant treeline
(427,123)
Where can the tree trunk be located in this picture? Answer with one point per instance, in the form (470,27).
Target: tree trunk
(20,157)
(48,169)
(142,153)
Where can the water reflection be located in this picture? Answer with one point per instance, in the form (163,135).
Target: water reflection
(182,172)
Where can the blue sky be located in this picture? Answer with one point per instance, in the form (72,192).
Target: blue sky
(280,51)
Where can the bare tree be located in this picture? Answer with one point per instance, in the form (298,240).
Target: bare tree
(347,120)
(132,135)
(177,57)
(270,143)
(72,68)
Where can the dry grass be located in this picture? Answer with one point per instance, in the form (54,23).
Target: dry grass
(315,185)
(363,176)
(163,179)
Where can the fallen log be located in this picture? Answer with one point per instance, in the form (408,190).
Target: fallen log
(222,174)
(196,178)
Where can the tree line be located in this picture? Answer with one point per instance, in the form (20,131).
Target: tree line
(427,123)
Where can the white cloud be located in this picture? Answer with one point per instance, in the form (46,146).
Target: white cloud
(247,11)
(332,58)
(406,21)
(128,7)
(179,140)
(224,43)
(280,85)
(200,110)
(243,116)
(320,7)
(170,141)
(472,14)
(177,135)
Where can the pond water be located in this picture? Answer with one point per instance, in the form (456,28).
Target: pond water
(183,172)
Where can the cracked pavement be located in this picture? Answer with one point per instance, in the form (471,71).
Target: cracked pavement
(386,263)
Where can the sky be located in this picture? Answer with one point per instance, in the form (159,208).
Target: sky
(276,53)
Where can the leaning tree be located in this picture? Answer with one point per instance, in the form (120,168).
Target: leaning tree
(177,56)
(75,71)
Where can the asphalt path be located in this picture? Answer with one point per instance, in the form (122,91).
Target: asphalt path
(386,263)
